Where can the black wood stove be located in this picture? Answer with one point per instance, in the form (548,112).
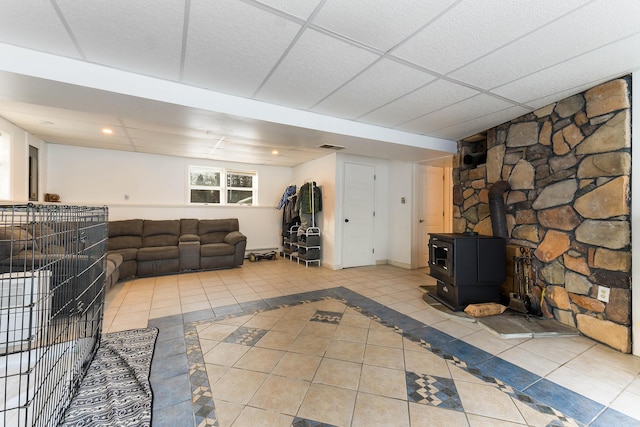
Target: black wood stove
(469,268)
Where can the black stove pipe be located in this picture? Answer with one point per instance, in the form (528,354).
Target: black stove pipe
(496,208)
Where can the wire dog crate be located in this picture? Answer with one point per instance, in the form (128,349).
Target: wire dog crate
(52,274)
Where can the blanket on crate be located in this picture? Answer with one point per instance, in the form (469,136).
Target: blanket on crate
(116,389)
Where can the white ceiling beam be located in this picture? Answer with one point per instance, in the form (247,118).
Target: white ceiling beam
(42,65)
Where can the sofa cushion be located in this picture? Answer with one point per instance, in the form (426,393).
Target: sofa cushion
(45,235)
(112,275)
(115,258)
(189,238)
(126,227)
(158,252)
(160,233)
(124,242)
(13,240)
(234,237)
(217,249)
(188,226)
(127,254)
(215,230)
(125,234)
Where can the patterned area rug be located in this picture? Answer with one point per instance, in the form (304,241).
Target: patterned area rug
(116,389)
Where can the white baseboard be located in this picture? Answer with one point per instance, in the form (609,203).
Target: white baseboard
(400,264)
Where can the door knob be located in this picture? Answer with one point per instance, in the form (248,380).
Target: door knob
(346,220)
(421,221)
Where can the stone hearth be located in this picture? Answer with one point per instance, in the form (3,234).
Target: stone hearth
(569,168)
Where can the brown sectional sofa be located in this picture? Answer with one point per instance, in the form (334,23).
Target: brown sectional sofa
(153,247)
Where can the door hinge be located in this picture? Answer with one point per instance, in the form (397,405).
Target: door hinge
(374,213)
(374,177)
(373,251)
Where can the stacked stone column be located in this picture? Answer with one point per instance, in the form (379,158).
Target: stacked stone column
(569,168)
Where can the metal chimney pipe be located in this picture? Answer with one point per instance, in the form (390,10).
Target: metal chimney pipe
(496,208)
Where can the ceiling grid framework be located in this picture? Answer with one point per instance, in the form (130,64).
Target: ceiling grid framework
(396,79)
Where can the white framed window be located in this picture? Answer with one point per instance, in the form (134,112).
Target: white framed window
(241,188)
(205,185)
(217,186)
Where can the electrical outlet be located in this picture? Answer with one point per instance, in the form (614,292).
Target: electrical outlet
(603,293)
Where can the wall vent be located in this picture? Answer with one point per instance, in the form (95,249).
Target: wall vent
(331,147)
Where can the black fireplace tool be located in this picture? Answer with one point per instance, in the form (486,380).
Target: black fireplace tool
(521,298)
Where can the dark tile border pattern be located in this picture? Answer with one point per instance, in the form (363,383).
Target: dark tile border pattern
(569,408)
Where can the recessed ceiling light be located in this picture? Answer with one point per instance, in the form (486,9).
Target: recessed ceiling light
(107,131)
(274,152)
(46,123)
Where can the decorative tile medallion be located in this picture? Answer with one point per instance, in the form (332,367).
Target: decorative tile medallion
(432,390)
(302,422)
(327,317)
(245,336)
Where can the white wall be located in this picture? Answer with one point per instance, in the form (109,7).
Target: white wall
(401,183)
(323,172)
(635,212)
(156,187)
(17,167)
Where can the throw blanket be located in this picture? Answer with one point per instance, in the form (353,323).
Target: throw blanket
(116,389)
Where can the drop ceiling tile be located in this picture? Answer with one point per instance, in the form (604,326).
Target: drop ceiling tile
(557,96)
(596,66)
(232,46)
(378,24)
(46,133)
(171,147)
(471,127)
(316,66)
(432,97)
(390,79)
(245,148)
(232,156)
(138,128)
(169,138)
(142,36)
(472,29)
(468,109)
(34,24)
(569,36)
(171,152)
(113,144)
(36,114)
(300,8)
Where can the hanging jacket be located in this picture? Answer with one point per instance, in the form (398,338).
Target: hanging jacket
(310,198)
(288,192)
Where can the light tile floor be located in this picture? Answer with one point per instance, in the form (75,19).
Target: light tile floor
(274,343)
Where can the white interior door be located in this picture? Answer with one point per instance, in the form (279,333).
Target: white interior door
(430,208)
(359,205)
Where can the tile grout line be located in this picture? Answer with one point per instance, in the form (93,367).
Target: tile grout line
(200,382)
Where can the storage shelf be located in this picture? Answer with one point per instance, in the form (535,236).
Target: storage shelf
(297,247)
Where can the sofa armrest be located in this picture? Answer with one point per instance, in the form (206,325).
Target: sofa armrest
(189,238)
(234,237)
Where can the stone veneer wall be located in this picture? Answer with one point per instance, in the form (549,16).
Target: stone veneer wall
(569,168)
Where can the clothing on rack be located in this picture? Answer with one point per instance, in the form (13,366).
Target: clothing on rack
(306,221)
(288,192)
(310,198)
(290,216)
(289,213)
